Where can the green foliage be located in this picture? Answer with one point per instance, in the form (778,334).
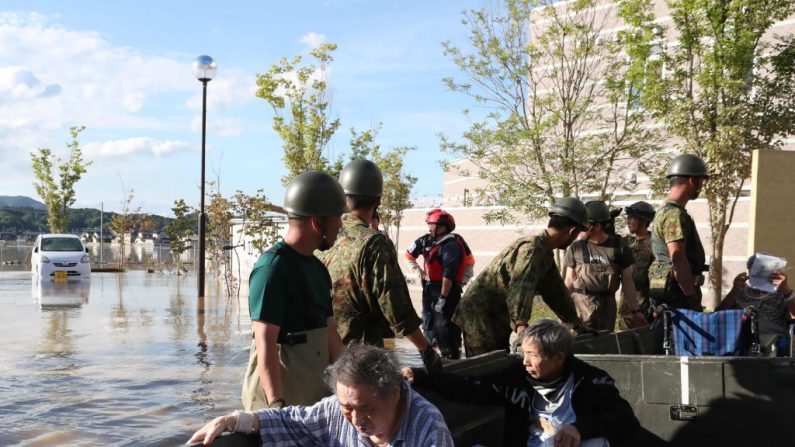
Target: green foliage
(179,230)
(298,96)
(397,184)
(725,91)
(59,194)
(560,99)
(254,211)
(123,223)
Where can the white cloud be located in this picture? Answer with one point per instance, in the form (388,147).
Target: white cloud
(133,102)
(225,127)
(231,88)
(19,83)
(313,39)
(134,146)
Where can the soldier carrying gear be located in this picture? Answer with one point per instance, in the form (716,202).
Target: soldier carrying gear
(369,295)
(445,268)
(500,298)
(639,216)
(595,266)
(676,274)
(295,334)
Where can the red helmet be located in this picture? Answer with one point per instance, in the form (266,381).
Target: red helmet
(429,213)
(440,217)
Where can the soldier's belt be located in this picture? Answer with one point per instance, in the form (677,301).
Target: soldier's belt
(601,293)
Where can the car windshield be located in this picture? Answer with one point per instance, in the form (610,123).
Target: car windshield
(61,244)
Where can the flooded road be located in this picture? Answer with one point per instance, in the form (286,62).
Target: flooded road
(128,359)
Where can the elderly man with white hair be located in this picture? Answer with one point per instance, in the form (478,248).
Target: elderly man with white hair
(569,402)
(372,405)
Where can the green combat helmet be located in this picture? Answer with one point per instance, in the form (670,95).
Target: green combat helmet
(314,193)
(362,178)
(641,210)
(597,211)
(687,165)
(571,208)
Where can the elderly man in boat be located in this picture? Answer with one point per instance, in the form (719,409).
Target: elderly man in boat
(372,405)
(570,403)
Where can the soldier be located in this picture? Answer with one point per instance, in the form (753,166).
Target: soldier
(295,335)
(370,295)
(639,216)
(676,274)
(445,267)
(595,267)
(500,299)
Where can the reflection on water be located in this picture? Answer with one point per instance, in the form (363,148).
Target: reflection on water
(122,359)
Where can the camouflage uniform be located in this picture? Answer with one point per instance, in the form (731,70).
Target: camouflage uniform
(641,251)
(502,295)
(369,290)
(672,223)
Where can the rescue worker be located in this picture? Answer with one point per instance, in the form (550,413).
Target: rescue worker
(676,274)
(295,335)
(422,246)
(595,267)
(639,216)
(500,299)
(445,267)
(370,296)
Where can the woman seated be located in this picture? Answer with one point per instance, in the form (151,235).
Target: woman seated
(774,309)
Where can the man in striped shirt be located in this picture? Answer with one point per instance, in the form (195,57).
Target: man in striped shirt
(372,406)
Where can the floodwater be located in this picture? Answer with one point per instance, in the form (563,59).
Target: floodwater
(123,359)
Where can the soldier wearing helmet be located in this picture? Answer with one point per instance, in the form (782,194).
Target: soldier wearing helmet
(676,274)
(290,301)
(595,267)
(639,216)
(445,267)
(500,299)
(370,296)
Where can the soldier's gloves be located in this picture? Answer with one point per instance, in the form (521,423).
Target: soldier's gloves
(277,403)
(431,360)
(439,303)
(515,344)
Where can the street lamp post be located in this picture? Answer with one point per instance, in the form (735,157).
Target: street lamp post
(204,68)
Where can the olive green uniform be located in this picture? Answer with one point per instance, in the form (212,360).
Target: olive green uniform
(597,276)
(673,223)
(501,296)
(370,297)
(641,252)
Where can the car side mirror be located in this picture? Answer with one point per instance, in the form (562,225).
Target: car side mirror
(36,250)
(86,249)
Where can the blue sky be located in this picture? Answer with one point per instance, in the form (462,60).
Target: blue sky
(123,69)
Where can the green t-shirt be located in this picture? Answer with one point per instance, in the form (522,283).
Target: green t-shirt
(276,289)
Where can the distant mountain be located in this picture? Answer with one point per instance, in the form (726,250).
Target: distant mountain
(21,202)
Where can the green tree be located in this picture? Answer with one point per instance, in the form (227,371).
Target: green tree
(299,98)
(257,220)
(559,97)
(725,91)
(397,184)
(59,195)
(123,223)
(179,231)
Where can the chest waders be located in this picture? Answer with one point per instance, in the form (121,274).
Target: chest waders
(595,286)
(303,356)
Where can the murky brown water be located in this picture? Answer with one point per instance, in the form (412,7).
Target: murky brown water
(128,359)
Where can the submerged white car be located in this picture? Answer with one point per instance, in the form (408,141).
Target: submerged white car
(60,257)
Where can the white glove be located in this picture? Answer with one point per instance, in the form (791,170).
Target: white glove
(439,304)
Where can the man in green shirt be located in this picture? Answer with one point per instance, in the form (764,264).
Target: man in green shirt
(295,335)
(676,274)
(370,296)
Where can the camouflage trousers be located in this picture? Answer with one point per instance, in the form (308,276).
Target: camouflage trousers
(485,323)
(598,312)
(665,290)
(625,317)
